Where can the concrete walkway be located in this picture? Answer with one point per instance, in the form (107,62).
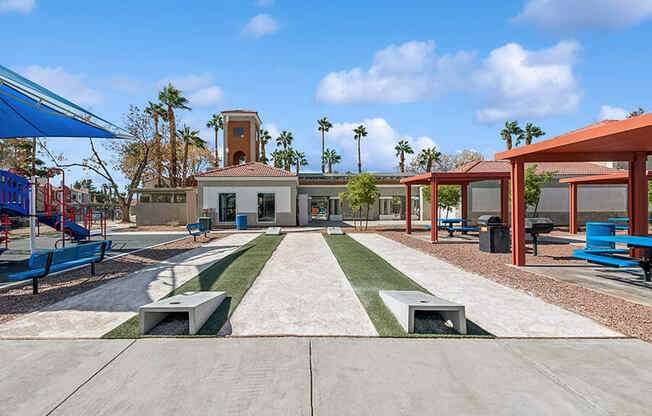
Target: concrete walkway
(301,291)
(502,311)
(93,313)
(325,376)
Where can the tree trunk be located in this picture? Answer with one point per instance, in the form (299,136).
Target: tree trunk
(330,167)
(124,208)
(402,163)
(508,142)
(217,155)
(262,151)
(366,225)
(359,164)
(173,148)
(323,165)
(184,171)
(159,155)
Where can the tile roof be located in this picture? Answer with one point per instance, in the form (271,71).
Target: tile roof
(251,169)
(562,168)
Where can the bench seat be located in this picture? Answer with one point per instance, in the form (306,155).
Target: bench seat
(463,228)
(605,260)
(196,229)
(603,251)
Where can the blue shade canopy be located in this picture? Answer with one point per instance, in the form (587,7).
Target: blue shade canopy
(29,110)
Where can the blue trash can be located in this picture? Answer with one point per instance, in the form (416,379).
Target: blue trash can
(599,229)
(241,221)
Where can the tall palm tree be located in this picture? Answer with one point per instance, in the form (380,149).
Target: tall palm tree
(359,132)
(532,132)
(157,112)
(427,157)
(216,122)
(285,140)
(189,138)
(512,129)
(298,159)
(332,158)
(402,148)
(324,126)
(172,98)
(279,156)
(264,138)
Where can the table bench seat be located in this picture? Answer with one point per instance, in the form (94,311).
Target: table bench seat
(605,260)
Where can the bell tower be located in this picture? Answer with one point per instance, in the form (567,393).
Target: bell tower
(241,137)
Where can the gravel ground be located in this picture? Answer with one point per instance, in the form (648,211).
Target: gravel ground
(19,300)
(628,318)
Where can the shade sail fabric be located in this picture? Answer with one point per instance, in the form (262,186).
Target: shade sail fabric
(22,116)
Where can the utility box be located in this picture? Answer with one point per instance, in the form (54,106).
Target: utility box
(494,235)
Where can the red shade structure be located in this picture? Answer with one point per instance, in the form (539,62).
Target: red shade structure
(612,179)
(462,176)
(609,140)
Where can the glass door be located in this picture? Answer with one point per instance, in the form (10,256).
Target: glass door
(227,207)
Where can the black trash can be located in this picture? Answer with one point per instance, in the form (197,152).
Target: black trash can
(494,235)
(205,223)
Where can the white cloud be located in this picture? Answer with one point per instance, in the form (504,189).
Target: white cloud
(516,82)
(21,6)
(399,74)
(198,88)
(572,15)
(273,130)
(377,149)
(264,3)
(70,86)
(608,112)
(261,25)
(128,85)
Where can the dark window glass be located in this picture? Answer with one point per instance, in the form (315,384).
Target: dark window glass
(238,131)
(180,198)
(227,207)
(266,208)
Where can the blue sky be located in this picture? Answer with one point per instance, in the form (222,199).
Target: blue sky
(431,71)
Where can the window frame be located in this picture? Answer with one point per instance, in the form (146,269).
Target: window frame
(219,208)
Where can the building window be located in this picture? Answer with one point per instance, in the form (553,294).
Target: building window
(238,132)
(180,198)
(227,207)
(266,208)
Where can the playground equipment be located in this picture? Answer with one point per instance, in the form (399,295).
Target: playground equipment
(55,207)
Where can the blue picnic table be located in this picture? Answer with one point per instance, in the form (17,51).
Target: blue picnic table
(636,241)
(449,224)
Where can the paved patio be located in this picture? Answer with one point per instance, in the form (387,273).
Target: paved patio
(93,313)
(301,291)
(502,311)
(325,376)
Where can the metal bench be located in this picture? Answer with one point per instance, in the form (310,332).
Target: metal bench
(42,263)
(607,260)
(196,229)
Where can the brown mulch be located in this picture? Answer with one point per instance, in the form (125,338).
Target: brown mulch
(629,318)
(19,300)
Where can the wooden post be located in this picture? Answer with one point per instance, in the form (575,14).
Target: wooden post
(504,201)
(572,209)
(638,194)
(518,213)
(408,209)
(434,212)
(465,204)
(630,200)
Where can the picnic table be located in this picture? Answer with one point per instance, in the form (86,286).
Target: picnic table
(449,224)
(636,241)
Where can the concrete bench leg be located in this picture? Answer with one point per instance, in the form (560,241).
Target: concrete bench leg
(458,319)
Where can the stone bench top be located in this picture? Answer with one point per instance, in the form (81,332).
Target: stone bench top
(273,231)
(182,302)
(419,299)
(334,231)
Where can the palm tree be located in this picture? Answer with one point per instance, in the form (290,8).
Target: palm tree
(264,138)
(331,158)
(359,133)
(216,122)
(402,148)
(298,159)
(172,98)
(532,132)
(324,126)
(279,158)
(156,112)
(511,129)
(285,140)
(189,138)
(427,157)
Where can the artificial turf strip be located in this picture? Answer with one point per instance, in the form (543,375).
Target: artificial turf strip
(234,274)
(368,273)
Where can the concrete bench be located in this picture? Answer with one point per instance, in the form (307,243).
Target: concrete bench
(198,305)
(273,231)
(404,303)
(334,231)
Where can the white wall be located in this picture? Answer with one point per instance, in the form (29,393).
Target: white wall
(246,198)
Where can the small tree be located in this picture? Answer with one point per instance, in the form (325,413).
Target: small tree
(532,186)
(448,196)
(361,192)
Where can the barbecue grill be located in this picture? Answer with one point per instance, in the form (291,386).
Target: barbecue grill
(536,226)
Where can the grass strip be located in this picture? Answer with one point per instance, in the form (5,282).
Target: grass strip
(234,274)
(368,273)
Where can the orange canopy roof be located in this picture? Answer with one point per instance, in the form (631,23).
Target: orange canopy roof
(612,179)
(607,140)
